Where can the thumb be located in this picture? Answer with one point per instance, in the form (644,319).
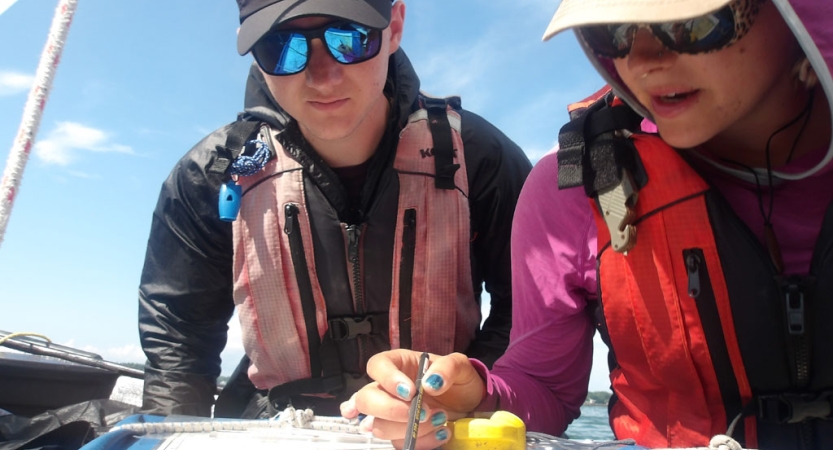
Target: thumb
(454,383)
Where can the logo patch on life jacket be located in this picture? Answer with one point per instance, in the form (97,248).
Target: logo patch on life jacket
(429,152)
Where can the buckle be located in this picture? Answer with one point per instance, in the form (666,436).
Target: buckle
(344,328)
(617,208)
(794,408)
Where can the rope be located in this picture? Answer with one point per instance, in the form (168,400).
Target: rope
(288,418)
(22,334)
(723,442)
(293,424)
(249,165)
(32,112)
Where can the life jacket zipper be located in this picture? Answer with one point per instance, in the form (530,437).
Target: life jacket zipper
(292,228)
(795,307)
(406,277)
(701,290)
(353,240)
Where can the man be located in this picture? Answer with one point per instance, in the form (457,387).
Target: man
(369,218)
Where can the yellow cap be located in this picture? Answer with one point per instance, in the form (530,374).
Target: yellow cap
(502,431)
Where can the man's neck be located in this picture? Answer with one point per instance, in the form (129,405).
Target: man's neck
(358,146)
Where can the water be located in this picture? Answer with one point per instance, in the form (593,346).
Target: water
(592,424)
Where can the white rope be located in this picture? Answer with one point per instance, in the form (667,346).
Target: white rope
(723,442)
(32,112)
(290,418)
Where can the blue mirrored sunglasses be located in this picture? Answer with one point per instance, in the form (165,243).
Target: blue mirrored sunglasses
(286,52)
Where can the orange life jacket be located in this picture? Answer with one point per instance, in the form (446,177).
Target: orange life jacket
(704,334)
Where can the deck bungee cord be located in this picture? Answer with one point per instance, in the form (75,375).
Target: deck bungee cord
(33,111)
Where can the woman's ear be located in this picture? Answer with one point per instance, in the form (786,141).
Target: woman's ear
(804,73)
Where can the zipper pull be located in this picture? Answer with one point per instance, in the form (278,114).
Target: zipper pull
(794,301)
(290,211)
(692,263)
(353,243)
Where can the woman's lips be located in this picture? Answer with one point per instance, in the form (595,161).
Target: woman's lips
(673,103)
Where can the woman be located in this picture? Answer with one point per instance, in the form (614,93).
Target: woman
(717,311)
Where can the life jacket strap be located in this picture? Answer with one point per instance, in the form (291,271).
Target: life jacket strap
(443,145)
(595,152)
(237,135)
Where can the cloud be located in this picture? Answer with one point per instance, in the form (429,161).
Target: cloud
(12,83)
(62,145)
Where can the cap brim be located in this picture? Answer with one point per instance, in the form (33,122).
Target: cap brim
(578,13)
(258,24)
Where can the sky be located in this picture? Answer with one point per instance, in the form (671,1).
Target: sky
(140,82)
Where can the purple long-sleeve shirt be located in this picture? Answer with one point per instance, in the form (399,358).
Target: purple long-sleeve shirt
(544,373)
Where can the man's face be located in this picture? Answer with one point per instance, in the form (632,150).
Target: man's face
(333,101)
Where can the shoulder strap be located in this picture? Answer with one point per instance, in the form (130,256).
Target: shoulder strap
(237,134)
(593,146)
(441,132)
(595,152)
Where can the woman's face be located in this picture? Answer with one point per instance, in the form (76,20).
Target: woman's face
(744,90)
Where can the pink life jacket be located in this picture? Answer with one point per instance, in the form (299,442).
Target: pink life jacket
(269,279)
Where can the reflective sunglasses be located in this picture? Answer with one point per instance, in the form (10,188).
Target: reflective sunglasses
(703,34)
(286,52)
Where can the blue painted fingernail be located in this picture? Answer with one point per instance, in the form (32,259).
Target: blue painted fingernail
(442,435)
(422,414)
(439,419)
(434,381)
(362,416)
(403,390)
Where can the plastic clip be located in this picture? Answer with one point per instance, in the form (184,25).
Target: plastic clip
(617,207)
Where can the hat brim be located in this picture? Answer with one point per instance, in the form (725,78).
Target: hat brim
(578,13)
(359,11)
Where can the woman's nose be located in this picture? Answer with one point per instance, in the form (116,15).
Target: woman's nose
(648,53)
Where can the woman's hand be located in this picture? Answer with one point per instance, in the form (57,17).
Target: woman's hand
(453,388)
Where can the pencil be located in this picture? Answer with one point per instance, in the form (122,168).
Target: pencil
(416,405)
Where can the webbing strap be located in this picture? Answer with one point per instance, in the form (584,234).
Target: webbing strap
(591,154)
(237,135)
(443,145)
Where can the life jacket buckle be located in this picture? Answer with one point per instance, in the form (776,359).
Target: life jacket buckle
(343,328)
(617,207)
(794,408)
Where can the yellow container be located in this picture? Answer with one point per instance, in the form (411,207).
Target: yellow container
(502,431)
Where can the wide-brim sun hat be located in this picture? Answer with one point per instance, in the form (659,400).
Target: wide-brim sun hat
(578,13)
(257,17)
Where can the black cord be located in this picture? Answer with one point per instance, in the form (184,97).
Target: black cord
(768,215)
(807,110)
(769,232)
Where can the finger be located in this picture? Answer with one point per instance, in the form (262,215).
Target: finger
(434,439)
(393,430)
(348,408)
(395,371)
(373,400)
(453,382)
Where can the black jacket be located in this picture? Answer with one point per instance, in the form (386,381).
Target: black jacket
(185,296)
